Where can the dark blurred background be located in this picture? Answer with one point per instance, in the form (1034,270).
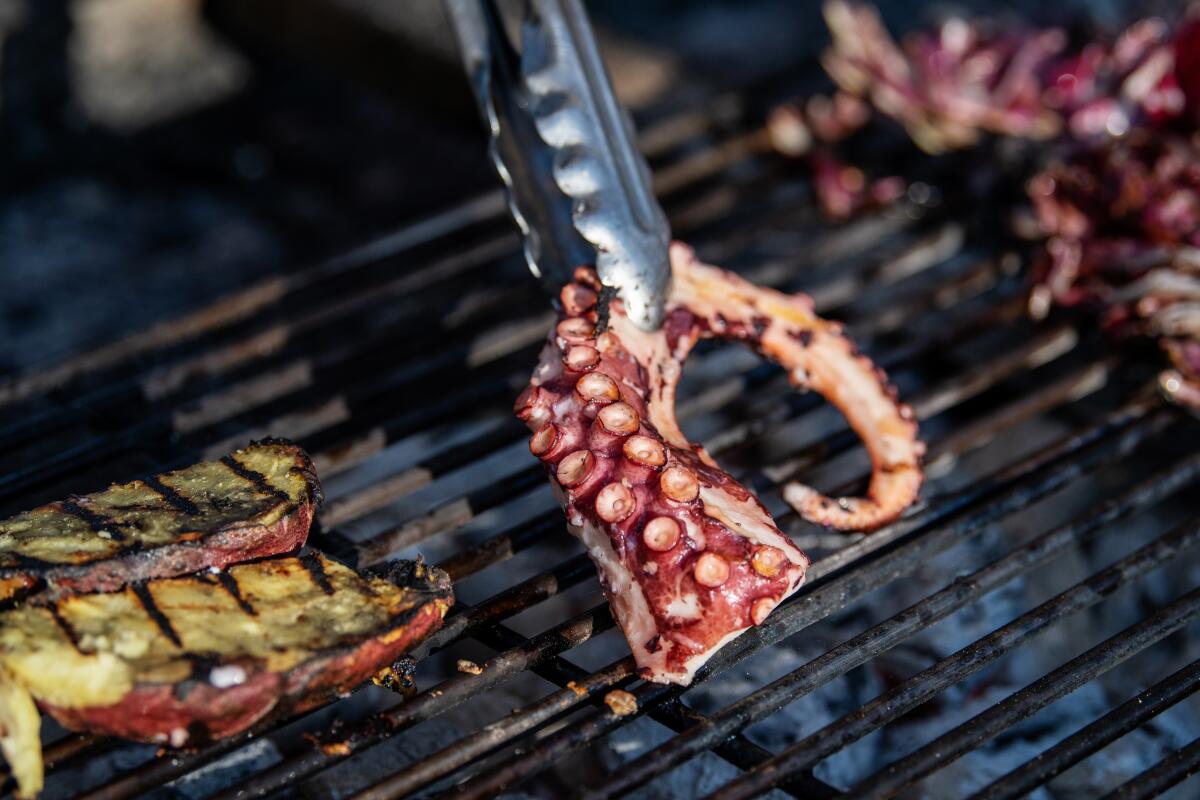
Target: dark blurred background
(155,154)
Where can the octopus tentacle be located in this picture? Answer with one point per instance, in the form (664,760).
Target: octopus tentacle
(707,302)
(687,556)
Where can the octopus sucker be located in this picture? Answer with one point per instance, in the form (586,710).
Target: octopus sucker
(688,557)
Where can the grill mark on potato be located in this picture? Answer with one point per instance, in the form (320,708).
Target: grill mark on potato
(142,593)
(176,500)
(316,569)
(17,597)
(257,478)
(99,524)
(64,626)
(235,591)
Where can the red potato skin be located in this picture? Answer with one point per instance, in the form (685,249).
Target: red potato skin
(221,549)
(312,684)
(153,712)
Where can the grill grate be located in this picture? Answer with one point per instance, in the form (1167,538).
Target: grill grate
(395,366)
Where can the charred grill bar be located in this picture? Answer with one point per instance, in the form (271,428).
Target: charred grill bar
(395,367)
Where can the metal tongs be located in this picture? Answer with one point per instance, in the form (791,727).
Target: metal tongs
(577,186)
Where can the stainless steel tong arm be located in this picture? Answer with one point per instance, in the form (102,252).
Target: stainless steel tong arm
(578,187)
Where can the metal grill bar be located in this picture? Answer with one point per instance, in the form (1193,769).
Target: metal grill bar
(456,511)
(888,634)
(234,319)
(70,747)
(1094,737)
(1062,681)
(1172,770)
(73,456)
(293,767)
(130,785)
(163,770)
(926,684)
(413,531)
(656,140)
(826,597)
(983,378)
(852,653)
(298,331)
(740,751)
(155,427)
(242,305)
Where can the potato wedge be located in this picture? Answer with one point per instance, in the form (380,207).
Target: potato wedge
(255,502)
(190,659)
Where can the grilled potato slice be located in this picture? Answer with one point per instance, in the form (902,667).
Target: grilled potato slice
(257,501)
(189,659)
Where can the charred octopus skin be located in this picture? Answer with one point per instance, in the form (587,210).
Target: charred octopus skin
(687,556)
